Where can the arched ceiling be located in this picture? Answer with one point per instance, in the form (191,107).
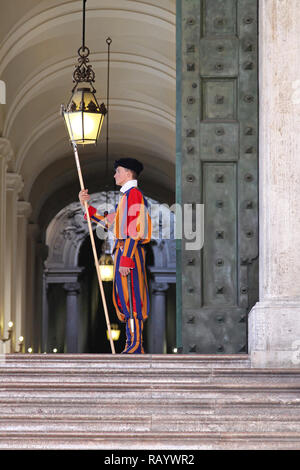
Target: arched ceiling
(39,40)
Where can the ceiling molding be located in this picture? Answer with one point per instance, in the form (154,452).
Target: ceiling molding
(53,74)
(47,124)
(38,56)
(21,36)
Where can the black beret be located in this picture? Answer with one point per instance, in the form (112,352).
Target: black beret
(130,164)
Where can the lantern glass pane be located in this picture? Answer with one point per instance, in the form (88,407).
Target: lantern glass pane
(84,100)
(83,117)
(107,272)
(74,124)
(100,124)
(68,124)
(76,99)
(90,102)
(91,123)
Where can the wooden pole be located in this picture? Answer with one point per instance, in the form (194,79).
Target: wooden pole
(94,250)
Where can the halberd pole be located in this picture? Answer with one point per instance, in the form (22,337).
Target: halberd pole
(94,249)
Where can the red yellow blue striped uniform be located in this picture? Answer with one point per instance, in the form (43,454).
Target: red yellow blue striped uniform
(132,227)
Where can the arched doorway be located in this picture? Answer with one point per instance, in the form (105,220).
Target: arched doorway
(73,315)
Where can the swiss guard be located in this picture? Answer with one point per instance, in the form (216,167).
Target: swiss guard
(132,228)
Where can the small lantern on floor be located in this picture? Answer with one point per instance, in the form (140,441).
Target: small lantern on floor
(115,332)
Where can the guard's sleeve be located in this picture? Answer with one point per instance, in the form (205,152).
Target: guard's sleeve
(95,217)
(135,226)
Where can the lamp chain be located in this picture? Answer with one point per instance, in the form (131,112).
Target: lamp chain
(108,42)
(83,25)
(83,72)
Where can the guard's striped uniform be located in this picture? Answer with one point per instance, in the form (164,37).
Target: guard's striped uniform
(132,227)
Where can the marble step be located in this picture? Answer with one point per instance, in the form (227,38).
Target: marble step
(207,412)
(118,361)
(143,372)
(155,402)
(72,375)
(121,405)
(128,441)
(148,423)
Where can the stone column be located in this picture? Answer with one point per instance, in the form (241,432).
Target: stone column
(33,233)
(5,157)
(45,316)
(23,212)
(158,317)
(38,318)
(274,322)
(72,289)
(14,185)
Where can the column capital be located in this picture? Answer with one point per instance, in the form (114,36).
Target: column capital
(24,209)
(6,151)
(72,288)
(159,287)
(14,182)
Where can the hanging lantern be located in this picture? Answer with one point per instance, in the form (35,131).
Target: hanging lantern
(83,115)
(106,267)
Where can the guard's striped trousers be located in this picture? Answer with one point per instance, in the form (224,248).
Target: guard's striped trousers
(134,340)
(140,298)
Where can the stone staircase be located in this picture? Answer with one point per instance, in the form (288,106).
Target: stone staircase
(86,401)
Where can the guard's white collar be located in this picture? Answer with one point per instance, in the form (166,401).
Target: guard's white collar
(129,184)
